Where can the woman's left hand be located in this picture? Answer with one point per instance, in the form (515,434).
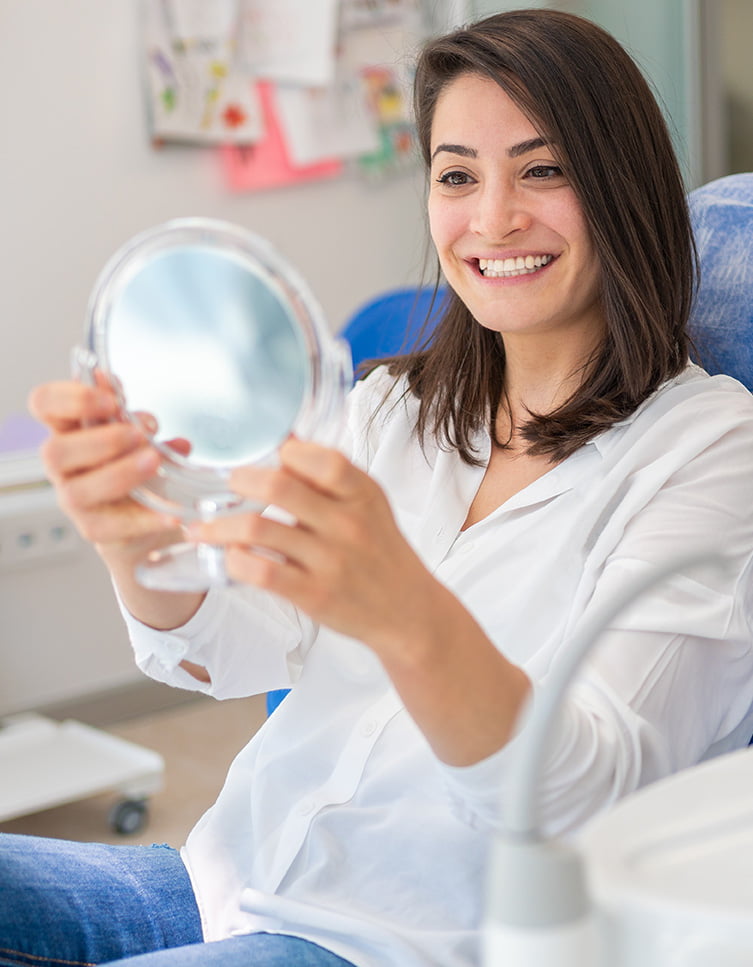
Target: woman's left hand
(342,559)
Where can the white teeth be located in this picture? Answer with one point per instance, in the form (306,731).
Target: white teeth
(510,267)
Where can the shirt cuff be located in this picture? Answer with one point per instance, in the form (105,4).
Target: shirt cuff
(170,648)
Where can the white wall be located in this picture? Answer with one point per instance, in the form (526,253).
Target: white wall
(78,176)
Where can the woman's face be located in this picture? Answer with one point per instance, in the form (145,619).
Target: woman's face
(508,229)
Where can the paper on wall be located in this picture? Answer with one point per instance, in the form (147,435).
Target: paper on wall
(197,91)
(291,41)
(195,20)
(397,148)
(326,122)
(383,58)
(371,13)
(267,164)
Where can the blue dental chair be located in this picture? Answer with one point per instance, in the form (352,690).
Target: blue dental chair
(721,321)
(392,323)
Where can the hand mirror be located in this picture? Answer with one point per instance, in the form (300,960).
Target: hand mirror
(219,348)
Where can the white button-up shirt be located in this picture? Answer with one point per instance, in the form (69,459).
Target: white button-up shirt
(337,823)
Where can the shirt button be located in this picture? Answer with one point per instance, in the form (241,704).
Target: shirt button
(175,645)
(369,728)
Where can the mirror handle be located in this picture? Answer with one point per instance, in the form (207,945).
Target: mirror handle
(83,364)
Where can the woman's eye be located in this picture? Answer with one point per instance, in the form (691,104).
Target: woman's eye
(544,172)
(454,178)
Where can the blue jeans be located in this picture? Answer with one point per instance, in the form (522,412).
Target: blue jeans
(73,904)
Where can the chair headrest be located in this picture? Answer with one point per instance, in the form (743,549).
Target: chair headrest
(721,321)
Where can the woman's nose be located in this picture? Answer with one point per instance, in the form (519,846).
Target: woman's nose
(499,212)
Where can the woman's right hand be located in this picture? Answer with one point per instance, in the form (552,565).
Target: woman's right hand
(94,460)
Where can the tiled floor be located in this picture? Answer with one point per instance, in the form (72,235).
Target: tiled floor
(198,741)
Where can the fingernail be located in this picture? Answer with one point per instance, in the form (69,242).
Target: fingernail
(148,459)
(149,422)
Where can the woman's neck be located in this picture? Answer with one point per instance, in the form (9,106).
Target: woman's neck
(541,374)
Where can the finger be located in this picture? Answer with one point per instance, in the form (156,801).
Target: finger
(320,596)
(66,405)
(180,445)
(147,421)
(281,577)
(108,381)
(278,487)
(254,533)
(110,482)
(79,450)
(327,469)
(124,521)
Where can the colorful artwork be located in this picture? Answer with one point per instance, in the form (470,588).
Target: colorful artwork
(196,90)
(267,163)
(390,106)
(288,89)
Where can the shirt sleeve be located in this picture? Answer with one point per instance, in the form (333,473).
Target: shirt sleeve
(247,641)
(670,680)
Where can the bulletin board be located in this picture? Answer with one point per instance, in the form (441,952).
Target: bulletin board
(287,90)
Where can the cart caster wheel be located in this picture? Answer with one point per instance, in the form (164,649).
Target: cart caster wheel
(129,816)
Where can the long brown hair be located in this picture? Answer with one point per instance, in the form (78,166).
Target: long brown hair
(589,100)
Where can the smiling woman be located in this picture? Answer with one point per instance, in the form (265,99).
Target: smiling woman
(576,127)
(490,495)
(499,200)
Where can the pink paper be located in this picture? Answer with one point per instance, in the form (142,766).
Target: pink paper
(266,164)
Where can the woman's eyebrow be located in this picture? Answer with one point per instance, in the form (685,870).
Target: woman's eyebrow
(460,149)
(533,144)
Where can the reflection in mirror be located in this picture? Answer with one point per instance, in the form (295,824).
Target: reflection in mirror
(220,351)
(209,350)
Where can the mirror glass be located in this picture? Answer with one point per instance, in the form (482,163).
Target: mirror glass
(219,350)
(198,340)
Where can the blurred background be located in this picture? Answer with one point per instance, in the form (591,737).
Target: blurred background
(90,158)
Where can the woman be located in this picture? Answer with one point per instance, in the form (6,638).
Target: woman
(492,492)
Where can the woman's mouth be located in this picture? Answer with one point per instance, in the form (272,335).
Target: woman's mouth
(510,267)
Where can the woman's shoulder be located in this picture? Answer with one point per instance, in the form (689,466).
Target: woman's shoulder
(378,392)
(720,397)
(685,415)
(380,406)
(715,399)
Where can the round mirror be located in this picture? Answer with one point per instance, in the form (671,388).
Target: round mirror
(220,350)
